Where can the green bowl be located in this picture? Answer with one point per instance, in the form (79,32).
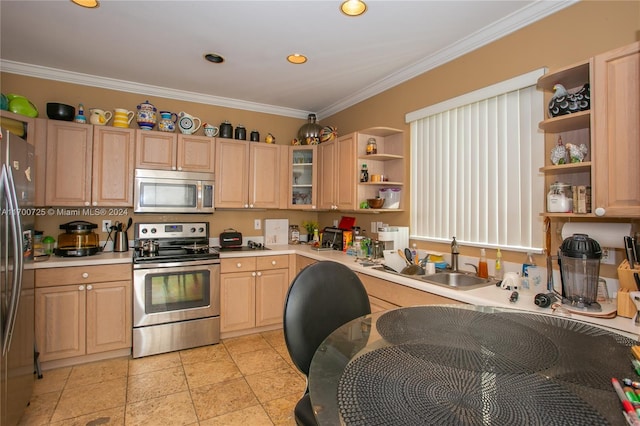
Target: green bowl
(21,105)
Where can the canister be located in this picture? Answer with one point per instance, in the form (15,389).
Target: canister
(559,198)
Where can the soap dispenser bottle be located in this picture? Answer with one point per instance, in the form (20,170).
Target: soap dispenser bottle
(483,270)
(499,268)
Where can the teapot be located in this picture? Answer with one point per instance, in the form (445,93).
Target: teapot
(186,123)
(99,117)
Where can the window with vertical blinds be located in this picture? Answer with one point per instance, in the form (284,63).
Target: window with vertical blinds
(475,166)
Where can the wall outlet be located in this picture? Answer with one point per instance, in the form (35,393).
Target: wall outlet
(608,256)
(106,226)
(257,224)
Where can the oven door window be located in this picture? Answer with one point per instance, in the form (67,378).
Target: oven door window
(174,291)
(154,194)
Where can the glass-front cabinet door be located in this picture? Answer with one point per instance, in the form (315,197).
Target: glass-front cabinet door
(303,177)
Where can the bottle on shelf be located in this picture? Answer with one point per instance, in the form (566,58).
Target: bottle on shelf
(483,270)
(499,268)
(364,174)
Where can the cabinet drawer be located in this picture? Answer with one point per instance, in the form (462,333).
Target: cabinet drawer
(272,262)
(239,264)
(83,274)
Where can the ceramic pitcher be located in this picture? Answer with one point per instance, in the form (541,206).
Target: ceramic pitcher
(187,123)
(122,117)
(99,117)
(167,121)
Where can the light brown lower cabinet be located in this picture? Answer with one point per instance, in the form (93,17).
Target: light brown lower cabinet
(83,310)
(252,292)
(385,295)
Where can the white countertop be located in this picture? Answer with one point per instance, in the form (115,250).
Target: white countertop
(489,295)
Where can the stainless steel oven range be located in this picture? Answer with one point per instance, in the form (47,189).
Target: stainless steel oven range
(176,288)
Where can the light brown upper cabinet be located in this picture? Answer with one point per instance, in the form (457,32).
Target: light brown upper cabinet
(88,165)
(171,151)
(247,174)
(338,173)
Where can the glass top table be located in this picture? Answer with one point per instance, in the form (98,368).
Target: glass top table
(468,365)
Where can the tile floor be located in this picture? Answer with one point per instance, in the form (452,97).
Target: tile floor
(248,380)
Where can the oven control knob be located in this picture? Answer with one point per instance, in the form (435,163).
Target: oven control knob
(143,230)
(153,230)
(200,229)
(193,230)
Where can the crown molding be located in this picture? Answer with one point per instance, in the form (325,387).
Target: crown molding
(517,20)
(47,73)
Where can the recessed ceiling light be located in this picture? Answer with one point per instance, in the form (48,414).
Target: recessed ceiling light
(353,7)
(212,57)
(297,58)
(91,4)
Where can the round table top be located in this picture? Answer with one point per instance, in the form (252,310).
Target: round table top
(463,364)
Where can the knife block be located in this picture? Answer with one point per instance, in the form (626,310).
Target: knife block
(626,306)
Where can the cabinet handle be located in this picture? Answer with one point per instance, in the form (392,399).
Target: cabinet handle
(173,167)
(250,206)
(246,206)
(80,287)
(86,203)
(600,211)
(89,287)
(238,265)
(95,203)
(253,274)
(313,207)
(259,274)
(180,168)
(273,262)
(85,275)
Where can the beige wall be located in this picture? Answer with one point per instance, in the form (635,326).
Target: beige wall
(571,35)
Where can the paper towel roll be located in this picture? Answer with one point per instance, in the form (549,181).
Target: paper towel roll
(606,234)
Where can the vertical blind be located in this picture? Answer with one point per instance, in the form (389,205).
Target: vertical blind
(475,166)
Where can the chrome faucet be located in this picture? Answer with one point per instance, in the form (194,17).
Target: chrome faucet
(455,251)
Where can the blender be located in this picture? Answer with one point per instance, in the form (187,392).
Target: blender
(579,261)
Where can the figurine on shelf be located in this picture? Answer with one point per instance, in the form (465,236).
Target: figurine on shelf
(577,152)
(562,102)
(559,153)
(80,117)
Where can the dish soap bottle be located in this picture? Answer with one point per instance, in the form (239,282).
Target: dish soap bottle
(530,263)
(499,270)
(483,270)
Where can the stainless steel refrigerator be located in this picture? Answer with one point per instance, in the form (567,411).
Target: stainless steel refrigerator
(17,289)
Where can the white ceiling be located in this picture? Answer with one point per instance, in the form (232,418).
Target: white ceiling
(156,47)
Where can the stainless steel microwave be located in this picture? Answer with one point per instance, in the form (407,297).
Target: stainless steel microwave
(160,191)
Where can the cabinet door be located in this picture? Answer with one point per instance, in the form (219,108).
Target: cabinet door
(68,171)
(156,150)
(346,182)
(328,170)
(616,115)
(302,262)
(113,164)
(109,321)
(196,153)
(271,290)
(264,176)
(232,177)
(237,301)
(60,321)
(302,181)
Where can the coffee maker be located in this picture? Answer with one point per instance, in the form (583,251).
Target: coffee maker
(579,261)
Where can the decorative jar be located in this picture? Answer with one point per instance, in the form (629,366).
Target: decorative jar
(167,121)
(147,116)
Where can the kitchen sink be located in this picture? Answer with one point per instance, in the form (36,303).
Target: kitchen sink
(457,280)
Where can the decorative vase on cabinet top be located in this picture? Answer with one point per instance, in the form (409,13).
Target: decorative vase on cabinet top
(122,117)
(310,132)
(226,130)
(187,123)
(99,117)
(146,117)
(167,121)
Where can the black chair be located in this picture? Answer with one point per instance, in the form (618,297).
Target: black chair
(321,298)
